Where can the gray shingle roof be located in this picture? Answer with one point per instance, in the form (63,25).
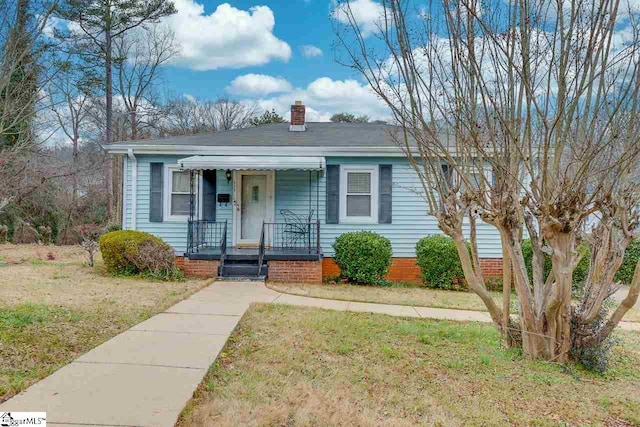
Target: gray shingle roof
(317,135)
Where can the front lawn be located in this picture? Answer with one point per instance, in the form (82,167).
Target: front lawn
(300,366)
(404,294)
(53,309)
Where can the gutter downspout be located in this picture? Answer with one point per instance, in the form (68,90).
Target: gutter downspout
(125,176)
(134,187)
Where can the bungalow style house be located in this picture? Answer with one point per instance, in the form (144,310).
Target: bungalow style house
(270,201)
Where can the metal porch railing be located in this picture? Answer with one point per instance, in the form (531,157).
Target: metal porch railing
(206,234)
(298,237)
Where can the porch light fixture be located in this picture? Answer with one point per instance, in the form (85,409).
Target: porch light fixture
(228,175)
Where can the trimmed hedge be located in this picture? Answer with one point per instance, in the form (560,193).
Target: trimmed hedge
(439,263)
(135,252)
(579,274)
(364,257)
(628,267)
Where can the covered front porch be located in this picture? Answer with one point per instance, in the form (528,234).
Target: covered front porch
(247,210)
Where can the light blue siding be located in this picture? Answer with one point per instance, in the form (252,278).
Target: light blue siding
(410,221)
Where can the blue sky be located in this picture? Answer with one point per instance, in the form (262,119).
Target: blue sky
(269,53)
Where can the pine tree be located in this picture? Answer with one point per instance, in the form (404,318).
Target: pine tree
(349,118)
(267,118)
(20,80)
(98,23)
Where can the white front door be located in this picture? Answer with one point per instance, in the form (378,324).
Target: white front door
(254,205)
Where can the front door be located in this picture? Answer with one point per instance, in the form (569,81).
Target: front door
(254,206)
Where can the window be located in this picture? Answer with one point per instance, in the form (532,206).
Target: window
(359,194)
(178,193)
(475,179)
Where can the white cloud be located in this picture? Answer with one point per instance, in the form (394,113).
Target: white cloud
(366,13)
(227,38)
(309,51)
(258,84)
(324,97)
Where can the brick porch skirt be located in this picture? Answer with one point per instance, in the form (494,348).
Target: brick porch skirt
(296,271)
(406,270)
(198,267)
(281,271)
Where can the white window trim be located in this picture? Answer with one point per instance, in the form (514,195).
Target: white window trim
(168,184)
(373,219)
(477,170)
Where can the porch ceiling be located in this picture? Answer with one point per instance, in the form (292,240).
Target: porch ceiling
(253,163)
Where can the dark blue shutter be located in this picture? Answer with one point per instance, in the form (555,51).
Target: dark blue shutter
(333,194)
(447,173)
(384,194)
(209,195)
(155,199)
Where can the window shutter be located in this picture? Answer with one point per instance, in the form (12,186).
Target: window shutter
(155,199)
(209,195)
(447,173)
(333,194)
(384,196)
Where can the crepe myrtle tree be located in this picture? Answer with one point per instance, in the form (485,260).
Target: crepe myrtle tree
(522,114)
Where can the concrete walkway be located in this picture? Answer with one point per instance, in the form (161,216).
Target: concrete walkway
(622,294)
(146,375)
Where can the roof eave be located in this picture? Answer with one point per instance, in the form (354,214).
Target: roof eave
(230,150)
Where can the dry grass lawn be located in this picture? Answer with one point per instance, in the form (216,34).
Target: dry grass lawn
(300,366)
(53,308)
(418,296)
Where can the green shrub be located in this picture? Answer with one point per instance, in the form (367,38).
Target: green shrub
(595,358)
(363,257)
(113,227)
(579,274)
(439,263)
(135,252)
(628,267)
(493,283)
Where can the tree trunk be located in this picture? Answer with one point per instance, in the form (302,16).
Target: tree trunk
(76,137)
(134,125)
(506,295)
(472,280)
(558,311)
(533,343)
(109,109)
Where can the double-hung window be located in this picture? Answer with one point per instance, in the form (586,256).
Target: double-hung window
(359,194)
(178,193)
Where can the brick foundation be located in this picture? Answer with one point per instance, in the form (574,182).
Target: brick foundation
(401,270)
(198,267)
(296,271)
(406,270)
(491,267)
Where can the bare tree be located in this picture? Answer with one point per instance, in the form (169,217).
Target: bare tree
(522,114)
(231,114)
(23,55)
(142,53)
(70,97)
(190,116)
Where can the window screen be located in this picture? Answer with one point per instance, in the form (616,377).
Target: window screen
(359,194)
(180,193)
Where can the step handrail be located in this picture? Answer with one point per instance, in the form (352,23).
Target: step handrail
(261,250)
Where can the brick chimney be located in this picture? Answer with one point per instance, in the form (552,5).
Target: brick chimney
(297,117)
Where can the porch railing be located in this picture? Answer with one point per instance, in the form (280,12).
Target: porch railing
(299,237)
(204,234)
